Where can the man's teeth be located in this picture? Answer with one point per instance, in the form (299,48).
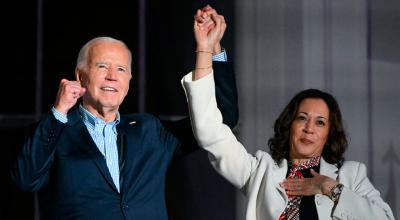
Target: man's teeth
(108,89)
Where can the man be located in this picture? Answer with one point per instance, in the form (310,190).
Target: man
(89,162)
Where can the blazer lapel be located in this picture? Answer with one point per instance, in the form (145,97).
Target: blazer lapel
(325,204)
(328,169)
(85,142)
(279,176)
(130,148)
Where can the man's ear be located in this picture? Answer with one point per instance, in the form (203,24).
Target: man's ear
(78,75)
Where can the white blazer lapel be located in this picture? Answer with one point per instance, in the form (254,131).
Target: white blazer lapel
(279,175)
(323,203)
(328,169)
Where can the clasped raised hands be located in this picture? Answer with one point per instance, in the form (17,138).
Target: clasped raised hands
(209,28)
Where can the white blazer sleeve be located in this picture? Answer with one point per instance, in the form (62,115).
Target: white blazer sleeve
(360,200)
(226,154)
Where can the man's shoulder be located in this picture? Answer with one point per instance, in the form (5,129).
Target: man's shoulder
(142,118)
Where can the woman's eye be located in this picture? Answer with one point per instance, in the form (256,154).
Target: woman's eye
(320,123)
(301,118)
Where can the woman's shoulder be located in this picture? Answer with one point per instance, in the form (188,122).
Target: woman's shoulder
(352,164)
(353,168)
(260,154)
(265,157)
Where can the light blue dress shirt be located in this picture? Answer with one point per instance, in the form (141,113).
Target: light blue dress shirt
(221,57)
(104,136)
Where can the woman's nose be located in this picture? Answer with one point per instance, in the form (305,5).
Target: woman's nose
(308,127)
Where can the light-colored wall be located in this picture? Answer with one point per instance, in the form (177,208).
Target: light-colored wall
(283,46)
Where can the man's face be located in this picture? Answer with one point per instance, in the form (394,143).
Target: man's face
(107,76)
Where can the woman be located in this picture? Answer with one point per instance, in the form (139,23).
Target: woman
(305,176)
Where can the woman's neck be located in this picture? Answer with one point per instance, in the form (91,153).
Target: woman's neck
(302,160)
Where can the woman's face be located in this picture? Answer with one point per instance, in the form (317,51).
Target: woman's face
(309,130)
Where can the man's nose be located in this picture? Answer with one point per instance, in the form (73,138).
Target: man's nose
(111,74)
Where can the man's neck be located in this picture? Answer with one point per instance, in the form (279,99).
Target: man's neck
(106,114)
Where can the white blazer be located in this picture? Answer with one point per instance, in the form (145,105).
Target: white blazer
(258,176)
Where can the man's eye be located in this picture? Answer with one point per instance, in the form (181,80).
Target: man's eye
(102,66)
(121,69)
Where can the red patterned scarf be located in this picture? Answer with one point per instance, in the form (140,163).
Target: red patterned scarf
(292,210)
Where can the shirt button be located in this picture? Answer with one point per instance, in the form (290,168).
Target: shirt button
(318,202)
(125,206)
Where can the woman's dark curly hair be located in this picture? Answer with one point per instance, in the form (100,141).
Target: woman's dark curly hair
(336,143)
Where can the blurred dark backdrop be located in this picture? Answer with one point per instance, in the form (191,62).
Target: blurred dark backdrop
(41,40)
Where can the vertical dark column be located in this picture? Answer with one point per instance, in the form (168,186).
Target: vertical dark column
(39,58)
(328,44)
(39,79)
(369,95)
(142,56)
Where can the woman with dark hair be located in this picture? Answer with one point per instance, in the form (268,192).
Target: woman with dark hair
(336,143)
(305,177)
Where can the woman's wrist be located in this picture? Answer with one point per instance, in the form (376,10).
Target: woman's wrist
(204,48)
(335,192)
(327,186)
(203,64)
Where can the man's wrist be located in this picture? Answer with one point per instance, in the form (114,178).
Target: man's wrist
(220,57)
(59,115)
(217,49)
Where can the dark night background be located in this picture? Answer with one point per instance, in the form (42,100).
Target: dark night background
(349,48)
(66,26)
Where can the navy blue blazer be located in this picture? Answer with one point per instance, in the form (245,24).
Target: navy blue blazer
(62,163)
